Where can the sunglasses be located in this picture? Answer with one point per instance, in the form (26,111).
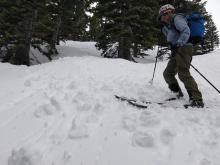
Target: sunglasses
(165,14)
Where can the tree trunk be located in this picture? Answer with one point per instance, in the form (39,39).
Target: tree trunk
(135,50)
(55,36)
(124,49)
(22,49)
(21,56)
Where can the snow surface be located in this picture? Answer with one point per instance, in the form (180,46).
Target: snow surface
(64,113)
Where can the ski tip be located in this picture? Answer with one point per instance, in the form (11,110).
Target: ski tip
(116,96)
(134,102)
(138,105)
(171,99)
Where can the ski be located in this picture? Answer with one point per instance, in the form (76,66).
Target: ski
(186,106)
(134,102)
(142,104)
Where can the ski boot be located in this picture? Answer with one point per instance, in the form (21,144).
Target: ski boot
(177,90)
(196,103)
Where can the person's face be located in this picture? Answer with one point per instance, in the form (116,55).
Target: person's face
(165,18)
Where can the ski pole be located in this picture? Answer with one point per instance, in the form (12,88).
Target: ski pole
(151,81)
(202,75)
(205,78)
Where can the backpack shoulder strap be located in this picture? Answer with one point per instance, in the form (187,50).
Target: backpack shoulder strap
(172,20)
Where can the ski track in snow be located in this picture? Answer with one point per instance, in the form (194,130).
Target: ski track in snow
(70,116)
(68,122)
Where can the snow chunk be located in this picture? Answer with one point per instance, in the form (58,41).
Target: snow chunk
(27,83)
(166,136)
(24,157)
(55,103)
(148,119)
(78,131)
(44,110)
(72,86)
(84,107)
(205,162)
(129,123)
(143,139)
(48,109)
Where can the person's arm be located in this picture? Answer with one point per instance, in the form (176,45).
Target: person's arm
(183,28)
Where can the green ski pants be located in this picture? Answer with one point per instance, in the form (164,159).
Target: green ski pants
(180,64)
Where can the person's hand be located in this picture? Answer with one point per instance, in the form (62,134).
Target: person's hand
(178,45)
(174,49)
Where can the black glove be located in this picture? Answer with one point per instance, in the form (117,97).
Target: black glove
(174,49)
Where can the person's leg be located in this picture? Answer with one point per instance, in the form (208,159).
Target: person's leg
(183,58)
(169,76)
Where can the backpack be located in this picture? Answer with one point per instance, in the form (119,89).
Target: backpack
(197,28)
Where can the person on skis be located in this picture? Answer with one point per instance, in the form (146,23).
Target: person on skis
(177,33)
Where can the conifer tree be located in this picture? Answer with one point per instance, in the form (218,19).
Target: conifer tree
(26,23)
(211,36)
(75,20)
(126,23)
(143,18)
(17,25)
(61,20)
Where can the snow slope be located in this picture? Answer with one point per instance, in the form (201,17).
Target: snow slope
(64,113)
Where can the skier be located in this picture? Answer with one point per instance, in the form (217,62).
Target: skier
(177,33)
